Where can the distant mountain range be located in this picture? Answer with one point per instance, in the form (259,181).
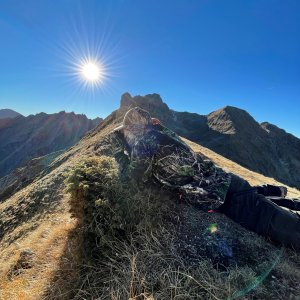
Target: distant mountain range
(231,132)
(24,138)
(8,113)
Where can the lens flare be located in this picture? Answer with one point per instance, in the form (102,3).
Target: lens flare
(212,228)
(258,280)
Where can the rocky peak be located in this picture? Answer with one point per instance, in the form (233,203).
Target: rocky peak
(8,114)
(150,100)
(126,100)
(229,131)
(233,113)
(153,103)
(231,120)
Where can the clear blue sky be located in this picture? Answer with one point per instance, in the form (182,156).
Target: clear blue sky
(199,55)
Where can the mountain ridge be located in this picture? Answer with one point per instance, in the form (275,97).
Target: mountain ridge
(8,113)
(38,218)
(232,132)
(25,138)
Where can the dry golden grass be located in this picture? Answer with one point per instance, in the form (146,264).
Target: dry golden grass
(48,241)
(49,237)
(167,251)
(252,177)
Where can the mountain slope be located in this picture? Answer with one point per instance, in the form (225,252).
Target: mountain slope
(23,176)
(8,114)
(24,138)
(233,133)
(37,217)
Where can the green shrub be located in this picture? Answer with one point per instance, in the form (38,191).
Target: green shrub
(92,172)
(108,207)
(96,193)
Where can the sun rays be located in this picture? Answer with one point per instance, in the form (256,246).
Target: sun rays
(89,58)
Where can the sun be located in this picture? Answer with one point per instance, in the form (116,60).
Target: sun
(88,59)
(92,72)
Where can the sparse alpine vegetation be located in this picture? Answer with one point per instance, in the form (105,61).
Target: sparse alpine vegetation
(143,243)
(80,230)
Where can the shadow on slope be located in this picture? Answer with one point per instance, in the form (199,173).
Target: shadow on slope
(143,242)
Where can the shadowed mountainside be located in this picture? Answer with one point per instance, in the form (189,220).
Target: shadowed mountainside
(24,138)
(24,175)
(233,133)
(8,113)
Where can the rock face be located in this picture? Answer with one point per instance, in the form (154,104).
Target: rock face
(233,133)
(24,138)
(8,114)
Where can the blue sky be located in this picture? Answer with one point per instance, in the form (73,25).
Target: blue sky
(199,55)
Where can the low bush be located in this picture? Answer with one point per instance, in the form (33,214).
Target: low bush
(108,207)
(143,242)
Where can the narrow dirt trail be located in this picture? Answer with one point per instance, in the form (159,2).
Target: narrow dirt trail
(49,242)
